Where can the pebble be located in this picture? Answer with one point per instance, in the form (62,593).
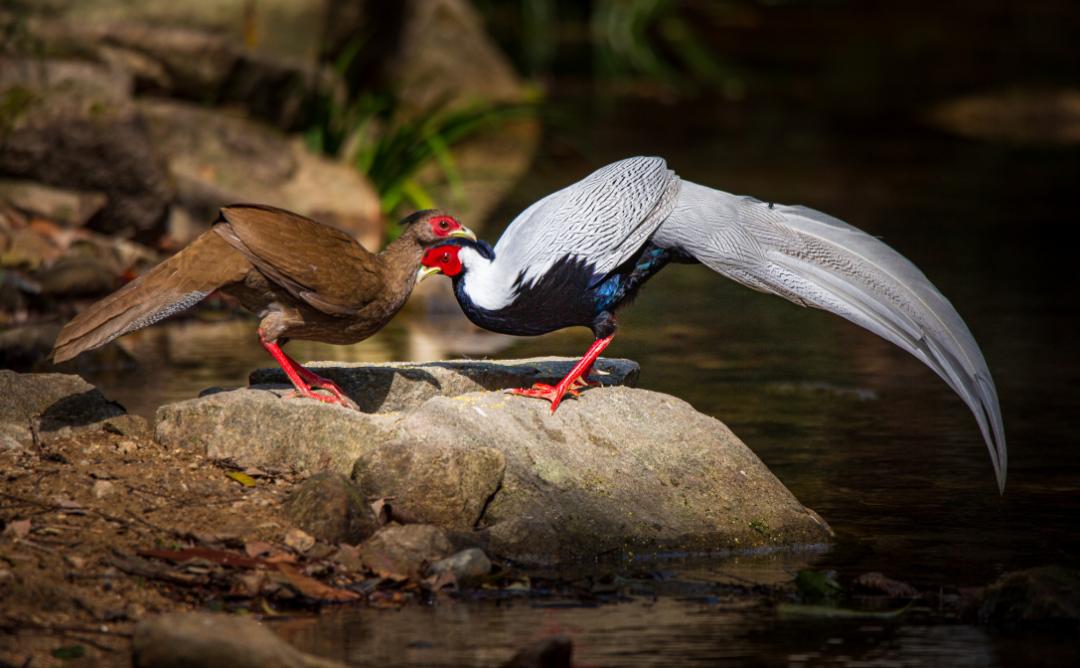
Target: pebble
(103,488)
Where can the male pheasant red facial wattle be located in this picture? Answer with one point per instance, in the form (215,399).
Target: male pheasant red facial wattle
(440,260)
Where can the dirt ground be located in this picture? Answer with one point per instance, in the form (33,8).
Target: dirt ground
(93,532)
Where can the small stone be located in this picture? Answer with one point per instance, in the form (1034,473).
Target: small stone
(330,507)
(127,447)
(75,561)
(1037,596)
(103,488)
(466,566)
(404,552)
(299,540)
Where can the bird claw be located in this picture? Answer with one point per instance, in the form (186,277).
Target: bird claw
(553,393)
(339,400)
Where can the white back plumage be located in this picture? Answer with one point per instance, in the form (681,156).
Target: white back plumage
(602,219)
(813,259)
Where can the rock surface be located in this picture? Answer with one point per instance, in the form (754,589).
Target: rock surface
(332,509)
(618,469)
(54,403)
(1045,595)
(218,158)
(208,640)
(73,124)
(397,386)
(405,551)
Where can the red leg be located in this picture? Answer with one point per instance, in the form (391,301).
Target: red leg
(575,380)
(294,372)
(315,380)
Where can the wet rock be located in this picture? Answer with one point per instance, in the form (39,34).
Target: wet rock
(444,483)
(208,640)
(405,551)
(554,652)
(55,403)
(219,158)
(466,566)
(397,386)
(73,125)
(1046,595)
(329,507)
(260,428)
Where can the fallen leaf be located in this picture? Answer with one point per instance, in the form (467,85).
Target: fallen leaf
(877,582)
(221,557)
(312,588)
(18,529)
(794,610)
(242,478)
(299,540)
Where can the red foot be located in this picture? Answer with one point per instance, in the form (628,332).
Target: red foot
(305,379)
(574,381)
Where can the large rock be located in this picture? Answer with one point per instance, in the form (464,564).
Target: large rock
(218,159)
(259,428)
(261,56)
(73,124)
(214,640)
(54,403)
(618,469)
(397,386)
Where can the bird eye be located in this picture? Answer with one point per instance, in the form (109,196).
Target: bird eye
(443,224)
(446,257)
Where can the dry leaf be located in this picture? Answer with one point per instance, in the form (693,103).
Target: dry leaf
(312,588)
(242,478)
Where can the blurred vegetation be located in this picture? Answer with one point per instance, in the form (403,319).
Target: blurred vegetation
(369,130)
(369,133)
(652,40)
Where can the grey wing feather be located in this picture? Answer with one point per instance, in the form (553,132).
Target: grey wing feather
(602,219)
(816,260)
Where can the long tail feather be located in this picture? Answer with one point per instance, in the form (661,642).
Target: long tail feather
(813,259)
(172,286)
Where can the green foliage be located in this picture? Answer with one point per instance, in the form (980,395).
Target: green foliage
(69,652)
(818,586)
(14,102)
(392,149)
(371,132)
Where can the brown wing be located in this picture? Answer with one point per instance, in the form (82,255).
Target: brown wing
(316,263)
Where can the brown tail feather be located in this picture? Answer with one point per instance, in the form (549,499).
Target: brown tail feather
(174,285)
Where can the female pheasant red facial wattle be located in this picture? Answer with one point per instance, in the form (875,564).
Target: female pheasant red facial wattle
(445,227)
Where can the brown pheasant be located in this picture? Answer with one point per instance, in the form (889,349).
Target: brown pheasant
(304,279)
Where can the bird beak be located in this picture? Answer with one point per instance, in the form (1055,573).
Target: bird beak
(425,272)
(464,233)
